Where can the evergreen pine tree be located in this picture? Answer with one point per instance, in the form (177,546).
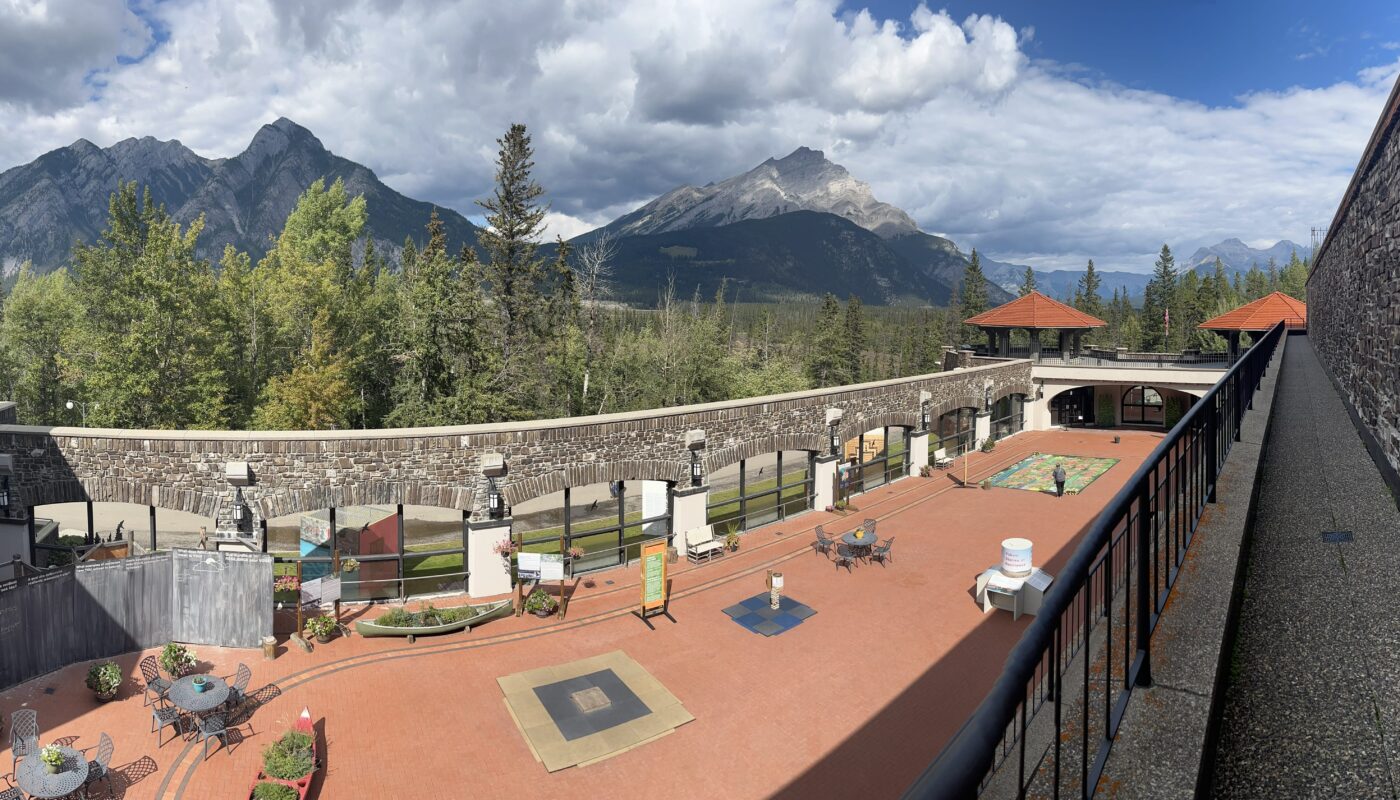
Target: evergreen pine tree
(826,364)
(855,339)
(1088,292)
(1028,282)
(1159,299)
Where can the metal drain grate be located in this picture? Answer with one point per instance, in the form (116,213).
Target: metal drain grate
(607,583)
(1336,537)
(49,690)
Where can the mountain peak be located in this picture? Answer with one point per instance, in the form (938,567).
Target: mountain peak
(803,180)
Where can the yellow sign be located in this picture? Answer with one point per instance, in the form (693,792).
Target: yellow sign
(653,575)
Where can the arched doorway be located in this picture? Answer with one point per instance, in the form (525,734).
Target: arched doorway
(875,457)
(1073,407)
(759,490)
(607,521)
(1008,416)
(954,433)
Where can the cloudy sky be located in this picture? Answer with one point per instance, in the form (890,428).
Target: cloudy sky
(1043,133)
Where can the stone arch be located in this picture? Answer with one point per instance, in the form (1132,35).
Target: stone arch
(111,490)
(1029,390)
(276,502)
(901,419)
(719,459)
(962,401)
(517,492)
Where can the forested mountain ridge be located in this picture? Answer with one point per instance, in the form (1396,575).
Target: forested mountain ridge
(61,198)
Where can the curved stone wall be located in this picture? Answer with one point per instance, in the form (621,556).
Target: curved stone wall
(308,470)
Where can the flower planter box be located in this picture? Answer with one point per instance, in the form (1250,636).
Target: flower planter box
(486,613)
(302,785)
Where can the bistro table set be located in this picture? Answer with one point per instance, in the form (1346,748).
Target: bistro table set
(71,776)
(856,545)
(195,705)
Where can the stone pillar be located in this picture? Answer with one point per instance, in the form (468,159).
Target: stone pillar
(1035,343)
(687,511)
(991,340)
(983,428)
(1232,339)
(824,477)
(918,452)
(1065,339)
(490,574)
(1004,342)
(1078,342)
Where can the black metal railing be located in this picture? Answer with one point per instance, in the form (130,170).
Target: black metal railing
(1098,617)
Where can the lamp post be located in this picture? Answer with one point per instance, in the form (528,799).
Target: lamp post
(697,473)
(82,408)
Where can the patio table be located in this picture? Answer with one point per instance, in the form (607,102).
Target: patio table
(864,543)
(35,780)
(183,695)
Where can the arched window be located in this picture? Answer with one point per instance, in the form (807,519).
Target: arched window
(955,432)
(1142,405)
(1008,415)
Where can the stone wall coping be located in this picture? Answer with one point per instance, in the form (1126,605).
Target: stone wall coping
(480,429)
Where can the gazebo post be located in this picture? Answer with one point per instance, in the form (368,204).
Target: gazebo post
(1035,343)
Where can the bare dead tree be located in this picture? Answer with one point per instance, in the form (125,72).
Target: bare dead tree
(594,276)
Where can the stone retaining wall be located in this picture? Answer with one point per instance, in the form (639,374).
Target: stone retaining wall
(309,470)
(1354,289)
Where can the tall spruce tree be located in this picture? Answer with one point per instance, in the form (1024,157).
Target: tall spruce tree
(853,326)
(973,295)
(826,363)
(1028,282)
(1089,284)
(516,272)
(1159,299)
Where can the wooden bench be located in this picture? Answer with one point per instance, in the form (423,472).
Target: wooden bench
(701,543)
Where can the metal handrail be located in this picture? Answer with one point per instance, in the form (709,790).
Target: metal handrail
(959,770)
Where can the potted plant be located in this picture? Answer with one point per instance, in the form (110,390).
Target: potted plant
(505,549)
(989,444)
(52,757)
(320,627)
(731,541)
(540,603)
(177,660)
(104,679)
(926,471)
(201,683)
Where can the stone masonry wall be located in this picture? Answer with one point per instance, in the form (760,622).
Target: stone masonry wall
(304,471)
(1354,291)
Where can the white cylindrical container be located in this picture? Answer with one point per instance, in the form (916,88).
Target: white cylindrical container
(1016,557)
(775,591)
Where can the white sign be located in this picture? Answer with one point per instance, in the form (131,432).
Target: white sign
(527,564)
(551,567)
(321,591)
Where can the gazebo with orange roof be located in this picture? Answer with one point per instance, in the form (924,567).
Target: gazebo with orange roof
(1034,313)
(1257,317)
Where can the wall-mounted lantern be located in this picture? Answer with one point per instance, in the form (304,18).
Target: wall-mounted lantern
(240,507)
(833,427)
(924,399)
(495,505)
(695,442)
(5,495)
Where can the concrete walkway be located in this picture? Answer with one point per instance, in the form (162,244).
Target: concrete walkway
(1312,708)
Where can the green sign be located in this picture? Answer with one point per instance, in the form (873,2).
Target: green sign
(654,575)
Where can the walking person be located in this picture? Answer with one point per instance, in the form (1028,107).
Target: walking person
(1060,476)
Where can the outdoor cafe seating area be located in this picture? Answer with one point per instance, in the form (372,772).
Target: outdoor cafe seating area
(859,545)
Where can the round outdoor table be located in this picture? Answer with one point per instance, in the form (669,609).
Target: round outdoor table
(36,781)
(867,541)
(183,695)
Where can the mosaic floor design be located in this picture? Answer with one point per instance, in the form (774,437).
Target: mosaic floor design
(1036,473)
(758,616)
(584,711)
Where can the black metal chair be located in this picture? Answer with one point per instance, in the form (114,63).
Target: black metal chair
(212,726)
(881,552)
(98,767)
(823,544)
(845,556)
(11,794)
(238,690)
(163,717)
(869,527)
(24,735)
(154,682)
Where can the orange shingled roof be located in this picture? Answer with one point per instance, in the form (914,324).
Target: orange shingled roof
(1262,315)
(1035,310)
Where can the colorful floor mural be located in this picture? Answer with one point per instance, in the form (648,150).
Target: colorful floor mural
(1035,473)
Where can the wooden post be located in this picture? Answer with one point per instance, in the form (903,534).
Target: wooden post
(297,632)
(564,555)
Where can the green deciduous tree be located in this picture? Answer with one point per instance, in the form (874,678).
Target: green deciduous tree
(40,320)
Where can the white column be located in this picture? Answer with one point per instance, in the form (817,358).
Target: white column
(918,452)
(688,511)
(655,496)
(825,476)
(983,428)
(490,574)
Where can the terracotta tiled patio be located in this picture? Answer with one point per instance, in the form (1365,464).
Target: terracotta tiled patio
(853,702)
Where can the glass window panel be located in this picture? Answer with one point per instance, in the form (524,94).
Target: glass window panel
(433,574)
(538,519)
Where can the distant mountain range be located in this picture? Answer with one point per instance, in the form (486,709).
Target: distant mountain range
(60,198)
(791,228)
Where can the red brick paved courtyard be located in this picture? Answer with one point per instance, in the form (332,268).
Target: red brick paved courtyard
(853,702)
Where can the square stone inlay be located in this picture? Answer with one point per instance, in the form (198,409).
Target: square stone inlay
(612,704)
(590,699)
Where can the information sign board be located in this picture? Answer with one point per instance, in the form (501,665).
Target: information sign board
(551,567)
(653,575)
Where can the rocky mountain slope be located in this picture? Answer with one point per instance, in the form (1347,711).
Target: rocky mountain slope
(60,198)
